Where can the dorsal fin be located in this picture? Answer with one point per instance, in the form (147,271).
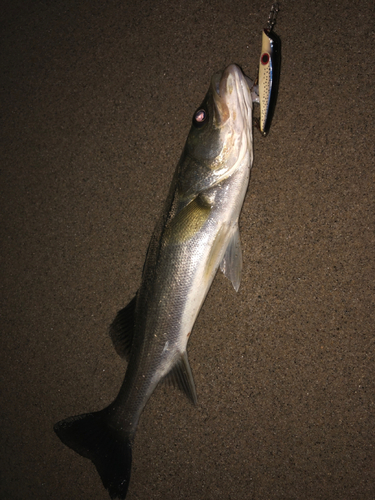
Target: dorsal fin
(122,329)
(181,376)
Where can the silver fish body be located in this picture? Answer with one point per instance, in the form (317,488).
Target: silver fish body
(197,233)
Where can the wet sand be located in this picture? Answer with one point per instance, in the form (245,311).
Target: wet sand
(97,100)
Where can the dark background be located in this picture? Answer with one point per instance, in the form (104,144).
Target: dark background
(97,100)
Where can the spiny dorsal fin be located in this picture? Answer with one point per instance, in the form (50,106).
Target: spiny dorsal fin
(122,329)
(231,265)
(181,376)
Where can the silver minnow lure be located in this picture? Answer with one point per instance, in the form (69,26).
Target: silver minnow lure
(269,73)
(197,233)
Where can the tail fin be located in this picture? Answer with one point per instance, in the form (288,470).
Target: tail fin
(110,451)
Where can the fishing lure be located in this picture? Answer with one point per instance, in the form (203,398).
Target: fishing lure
(269,71)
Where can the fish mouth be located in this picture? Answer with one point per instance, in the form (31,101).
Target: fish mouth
(222,82)
(229,87)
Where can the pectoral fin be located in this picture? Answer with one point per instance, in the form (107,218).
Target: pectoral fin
(231,265)
(181,376)
(122,329)
(188,221)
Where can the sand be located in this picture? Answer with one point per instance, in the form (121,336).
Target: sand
(97,100)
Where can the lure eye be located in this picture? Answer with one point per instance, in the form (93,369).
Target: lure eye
(200,117)
(264,58)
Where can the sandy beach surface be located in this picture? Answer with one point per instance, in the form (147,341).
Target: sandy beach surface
(96,104)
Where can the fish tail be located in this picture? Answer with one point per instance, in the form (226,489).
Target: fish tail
(109,450)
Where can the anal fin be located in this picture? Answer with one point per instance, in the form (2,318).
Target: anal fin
(181,377)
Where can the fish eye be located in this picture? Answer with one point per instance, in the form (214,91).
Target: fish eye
(200,117)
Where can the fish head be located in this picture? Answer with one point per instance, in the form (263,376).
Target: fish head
(220,138)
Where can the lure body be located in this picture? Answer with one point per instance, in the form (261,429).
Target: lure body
(269,77)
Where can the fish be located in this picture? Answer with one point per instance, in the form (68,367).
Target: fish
(196,234)
(269,78)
